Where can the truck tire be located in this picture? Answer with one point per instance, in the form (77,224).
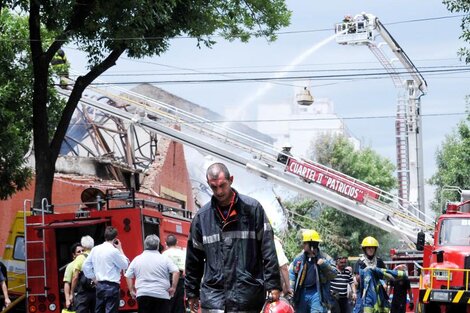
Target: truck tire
(428,308)
(457,308)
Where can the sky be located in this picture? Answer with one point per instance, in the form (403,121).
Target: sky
(425,29)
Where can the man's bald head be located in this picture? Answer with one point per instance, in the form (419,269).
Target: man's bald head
(215,169)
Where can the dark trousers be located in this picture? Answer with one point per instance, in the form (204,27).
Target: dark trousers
(151,304)
(107,297)
(341,306)
(84,301)
(177,301)
(398,307)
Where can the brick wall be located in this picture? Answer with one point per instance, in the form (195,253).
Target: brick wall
(172,176)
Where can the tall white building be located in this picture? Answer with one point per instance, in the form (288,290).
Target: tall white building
(298,125)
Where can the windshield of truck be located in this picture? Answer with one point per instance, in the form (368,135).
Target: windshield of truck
(455,232)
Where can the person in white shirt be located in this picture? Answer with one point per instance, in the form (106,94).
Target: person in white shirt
(104,266)
(283,267)
(150,270)
(178,256)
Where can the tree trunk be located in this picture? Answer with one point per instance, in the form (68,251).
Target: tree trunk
(44,178)
(44,159)
(47,151)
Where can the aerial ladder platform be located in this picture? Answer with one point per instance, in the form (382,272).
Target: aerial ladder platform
(367,30)
(333,188)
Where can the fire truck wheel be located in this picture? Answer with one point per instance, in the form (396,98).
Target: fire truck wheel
(456,308)
(428,308)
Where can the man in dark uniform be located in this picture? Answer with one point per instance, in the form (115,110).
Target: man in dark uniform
(400,288)
(231,258)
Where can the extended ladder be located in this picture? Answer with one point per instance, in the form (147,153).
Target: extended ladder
(331,187)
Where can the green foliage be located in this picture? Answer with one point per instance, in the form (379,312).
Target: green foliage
(145,27)
(464,7)
(366,165)
(105,30)
(341,233)
(301,214)
(15,93)
(16,79)
(453,165)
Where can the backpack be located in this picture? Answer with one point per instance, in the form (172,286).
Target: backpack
(85,283)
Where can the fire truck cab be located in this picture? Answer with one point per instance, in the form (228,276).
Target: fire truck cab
(48,238)
(445,277)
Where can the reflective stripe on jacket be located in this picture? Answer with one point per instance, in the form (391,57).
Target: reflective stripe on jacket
(325,273)
(374,296)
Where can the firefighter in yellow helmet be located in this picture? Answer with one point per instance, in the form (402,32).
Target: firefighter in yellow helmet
(310,274)
(60,67)
(369,259)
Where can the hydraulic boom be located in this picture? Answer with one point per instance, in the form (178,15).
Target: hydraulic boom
(366,29)
(331,187)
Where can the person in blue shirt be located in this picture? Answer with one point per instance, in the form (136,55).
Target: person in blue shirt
(310,274)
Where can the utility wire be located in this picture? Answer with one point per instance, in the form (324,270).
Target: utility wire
(288,78)
(391,23)
(219,36)
(421,69)
(284,82)
(264,66)
(362,117)
(311,119)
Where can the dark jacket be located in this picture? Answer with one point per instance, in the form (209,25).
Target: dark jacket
(324,274)
(236,260)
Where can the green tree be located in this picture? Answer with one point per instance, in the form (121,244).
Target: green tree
(107,29)
(15,103)
(341,233)
(300,214)
(453,164)
(14,79)
(453,167)
(464,7)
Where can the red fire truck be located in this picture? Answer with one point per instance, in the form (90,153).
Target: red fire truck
(445,277)
(48,238)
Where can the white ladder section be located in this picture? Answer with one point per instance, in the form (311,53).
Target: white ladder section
(38,260)
(331,187)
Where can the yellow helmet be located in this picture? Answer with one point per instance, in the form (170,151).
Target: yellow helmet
(370,242)
(310,235)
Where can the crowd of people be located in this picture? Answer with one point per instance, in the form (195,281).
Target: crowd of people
(233,263)
(92,279)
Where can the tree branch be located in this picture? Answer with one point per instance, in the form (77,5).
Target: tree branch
(81,83)
(79,14)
